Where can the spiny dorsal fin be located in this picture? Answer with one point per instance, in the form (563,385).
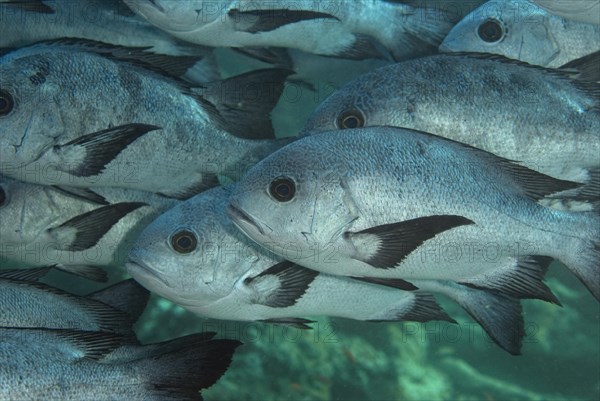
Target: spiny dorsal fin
(170,66)
(31,274)
(578,72)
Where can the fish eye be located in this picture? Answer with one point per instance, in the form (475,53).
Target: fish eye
(282,189)
(491,31)
(6,103)
(351,119)
(2,196)
(184,241)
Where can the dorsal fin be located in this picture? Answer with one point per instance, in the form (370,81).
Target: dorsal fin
(578,72)
(171,66)
(530,183)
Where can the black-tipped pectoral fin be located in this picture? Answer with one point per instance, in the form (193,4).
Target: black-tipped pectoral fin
(255,21)
(84,231)
(88,155)
(386,246)
(281,285)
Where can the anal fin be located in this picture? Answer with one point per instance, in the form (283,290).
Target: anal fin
(295,322)
(524,282)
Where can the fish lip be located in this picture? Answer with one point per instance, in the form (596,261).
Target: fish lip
(242,219)
(143,267)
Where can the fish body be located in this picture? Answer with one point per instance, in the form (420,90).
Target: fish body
(396,203)
(347,29)
(59,128)
(520,30)
(23,23)
(44,225)
(77,365)
(32,304)
(541,118)
(227,276)
(587,11)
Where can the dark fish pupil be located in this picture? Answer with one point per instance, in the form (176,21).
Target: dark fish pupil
(184,241)
(490,31)
(282,189)
(351,122)
(2,196)
(351,119)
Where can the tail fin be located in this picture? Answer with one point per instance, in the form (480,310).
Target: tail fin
(581,249)
(182,367)
(587,267)
(499,315)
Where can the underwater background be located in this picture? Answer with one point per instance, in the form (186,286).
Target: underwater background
(341,359)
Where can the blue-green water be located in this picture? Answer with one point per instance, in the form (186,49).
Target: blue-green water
(342,359)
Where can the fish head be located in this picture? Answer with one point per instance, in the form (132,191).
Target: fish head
(295,202)
(517,29)
(29,116)
(179,16)
(189,255)
(381,97)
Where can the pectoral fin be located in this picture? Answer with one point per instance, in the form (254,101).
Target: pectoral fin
(386,246)
(255,21)
(84,231)
(88,155)
(281,285)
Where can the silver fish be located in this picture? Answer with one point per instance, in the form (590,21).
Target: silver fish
(194,256)
(396,203)
(82,365)
(73,228)
(545,119)
(26,303)
(226,276)
(520,30)
(587,11)
(59,128)
(23,23)
(348,29)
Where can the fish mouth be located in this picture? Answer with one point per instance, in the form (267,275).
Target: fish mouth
(143,271)
(244,221)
